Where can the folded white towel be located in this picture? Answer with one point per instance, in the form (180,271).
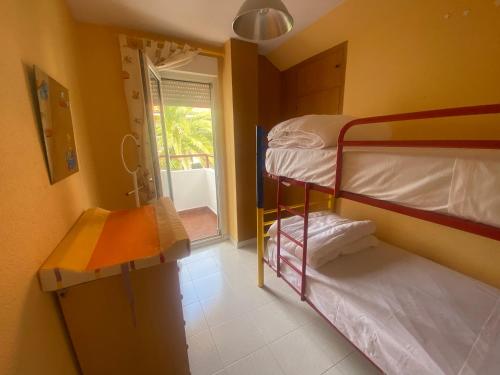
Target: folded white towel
(328,235)
(310,131)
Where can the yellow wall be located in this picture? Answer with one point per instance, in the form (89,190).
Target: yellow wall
(107,114)
(229,151)
(35,215)
(473,255)
(406,56)
(106,108)
(105,105)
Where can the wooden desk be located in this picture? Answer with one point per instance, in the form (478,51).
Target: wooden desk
(123,313)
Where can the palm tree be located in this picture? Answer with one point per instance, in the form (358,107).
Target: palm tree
(189,131)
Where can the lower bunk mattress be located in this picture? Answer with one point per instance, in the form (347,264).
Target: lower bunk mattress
(441,180)
(408,314)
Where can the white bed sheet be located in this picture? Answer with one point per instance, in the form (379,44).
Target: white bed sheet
(475,190)
(406,313)
(410,178)
(442,180)
(312,165)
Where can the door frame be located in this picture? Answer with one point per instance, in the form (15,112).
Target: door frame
(147,68)
(218,137)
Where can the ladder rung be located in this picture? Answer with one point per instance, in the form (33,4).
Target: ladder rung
(292,210)
(292,181)
(291,265)
(271,222)
(298,243)
(296,205)
(315,203)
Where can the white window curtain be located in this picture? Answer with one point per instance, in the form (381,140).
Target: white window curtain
(165,55)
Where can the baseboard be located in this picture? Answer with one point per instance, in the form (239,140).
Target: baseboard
(240,244)
(209,241)
(195,209)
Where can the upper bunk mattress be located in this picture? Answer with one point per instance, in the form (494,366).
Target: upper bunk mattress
(311,165)
(408,177)
(408,314)
(443,180)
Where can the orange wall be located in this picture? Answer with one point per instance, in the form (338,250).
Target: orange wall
(406,56)
(35,215)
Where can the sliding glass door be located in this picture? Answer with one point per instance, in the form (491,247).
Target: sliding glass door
(190,136)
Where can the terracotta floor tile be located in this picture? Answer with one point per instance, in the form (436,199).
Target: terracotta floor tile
(199,223)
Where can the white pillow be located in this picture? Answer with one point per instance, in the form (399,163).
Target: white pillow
(358,245)
(310,131)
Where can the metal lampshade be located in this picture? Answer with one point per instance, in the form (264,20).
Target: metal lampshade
(262,20)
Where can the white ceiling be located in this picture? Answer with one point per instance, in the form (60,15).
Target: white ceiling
(207,21)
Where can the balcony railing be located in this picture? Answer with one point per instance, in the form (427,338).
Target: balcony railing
(208,160)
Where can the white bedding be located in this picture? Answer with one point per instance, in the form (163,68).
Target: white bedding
(309,131)
(429,179)
(328,236)
(413,179)
(475,192)
(408,314)
(316,166)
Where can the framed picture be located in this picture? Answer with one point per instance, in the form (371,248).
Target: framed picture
(57,126)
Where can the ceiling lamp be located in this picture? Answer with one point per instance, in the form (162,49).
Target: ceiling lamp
(262,20)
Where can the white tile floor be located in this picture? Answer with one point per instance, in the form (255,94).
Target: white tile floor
(235,328)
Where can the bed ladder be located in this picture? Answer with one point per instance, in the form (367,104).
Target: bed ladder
(305,216)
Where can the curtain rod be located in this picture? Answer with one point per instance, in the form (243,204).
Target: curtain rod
(204,51)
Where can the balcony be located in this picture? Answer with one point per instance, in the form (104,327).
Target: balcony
(194,194)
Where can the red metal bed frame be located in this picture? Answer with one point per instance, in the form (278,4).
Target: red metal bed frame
(435,217)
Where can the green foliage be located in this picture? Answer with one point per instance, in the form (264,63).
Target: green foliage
(189,131)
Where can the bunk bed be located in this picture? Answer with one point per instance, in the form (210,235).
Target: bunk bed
(405,313)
